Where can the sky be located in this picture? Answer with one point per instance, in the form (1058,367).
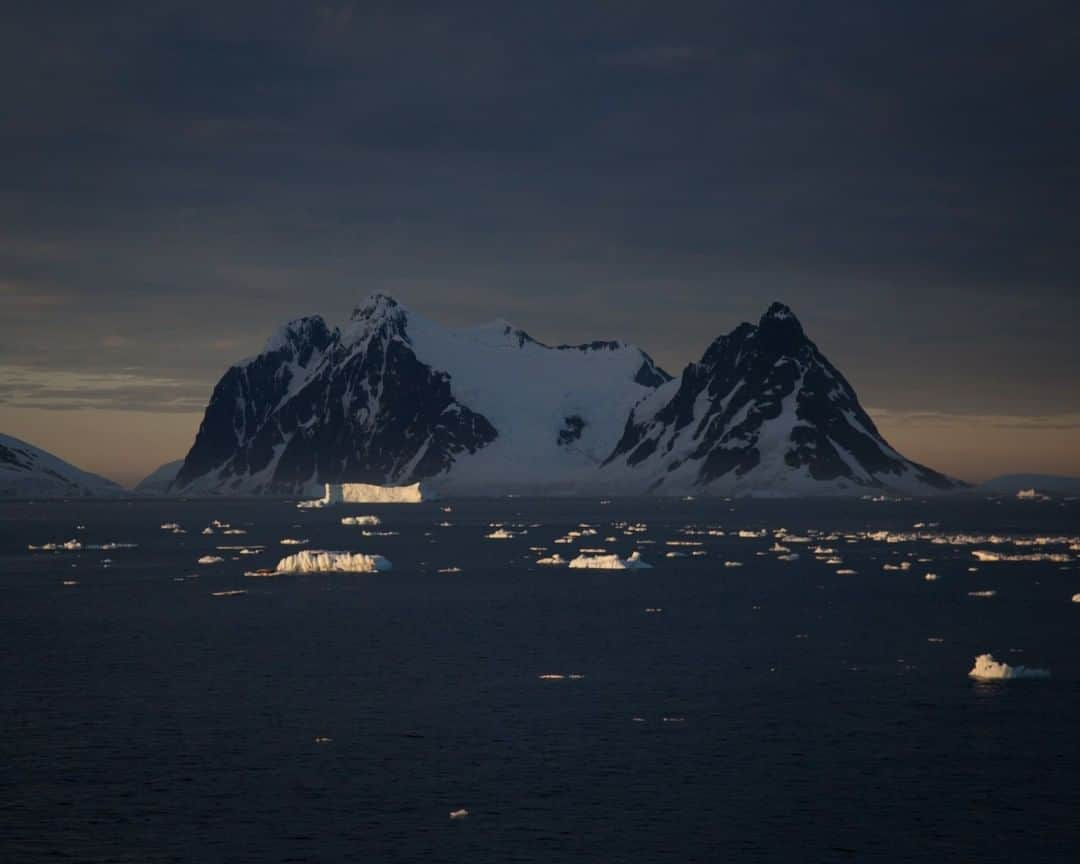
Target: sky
(176,179)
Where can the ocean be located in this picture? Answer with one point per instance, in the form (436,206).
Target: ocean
(781,710)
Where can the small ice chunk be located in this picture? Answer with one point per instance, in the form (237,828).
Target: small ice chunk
(986,668)
(988,593)
(294,541)
(552,560)
(211,559)
(930,577)
(733,564)
(361,520)
(460,813)
(232,592)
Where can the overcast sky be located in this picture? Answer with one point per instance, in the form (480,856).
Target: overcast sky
(178,178)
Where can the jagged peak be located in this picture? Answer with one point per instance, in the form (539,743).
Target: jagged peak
(779,330)
(309,329)
(377,305)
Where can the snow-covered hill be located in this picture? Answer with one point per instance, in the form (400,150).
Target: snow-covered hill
(763,413)
(27,471)
(158,481)
(393,398)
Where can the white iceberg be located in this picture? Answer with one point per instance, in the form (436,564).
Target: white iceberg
(211,559)
(552,560)
(323,561)
(361,520)
(610,562)
(368,493)
(986,668)
(1076,598)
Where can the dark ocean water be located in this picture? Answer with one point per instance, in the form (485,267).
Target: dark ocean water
(808,716)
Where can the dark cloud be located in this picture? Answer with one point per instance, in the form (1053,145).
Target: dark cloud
(179,177)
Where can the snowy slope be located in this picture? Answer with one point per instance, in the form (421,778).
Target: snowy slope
(392,398)
(30,472)
(158,481)
(763,413)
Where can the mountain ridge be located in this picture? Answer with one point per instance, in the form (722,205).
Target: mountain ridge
(390,397)
(28,471)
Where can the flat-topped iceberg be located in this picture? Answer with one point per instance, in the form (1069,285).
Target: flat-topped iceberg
(323,561)
(610,562)
(986,668)
(368,493)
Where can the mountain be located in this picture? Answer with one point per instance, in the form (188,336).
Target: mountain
(27,471)
(158,481)
(763,412)
(394,398)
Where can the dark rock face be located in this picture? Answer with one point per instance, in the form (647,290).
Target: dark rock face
(367,411)
(757,383)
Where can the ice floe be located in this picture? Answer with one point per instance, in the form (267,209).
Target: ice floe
(986,668)
(610,562)
(552,560)
(211,559)
(361,520)
(324,561)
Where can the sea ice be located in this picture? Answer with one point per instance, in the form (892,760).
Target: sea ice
(323,561)
(361,520)
(986,668)
(610,562)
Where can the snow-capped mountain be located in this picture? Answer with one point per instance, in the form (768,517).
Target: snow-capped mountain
(392,398)
(158,481)
(27,471)
(763,412)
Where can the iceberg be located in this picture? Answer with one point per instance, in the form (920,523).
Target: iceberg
(368,493)
(323,561)
(361,520)
(986,668)
(211,559)
(610,562)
